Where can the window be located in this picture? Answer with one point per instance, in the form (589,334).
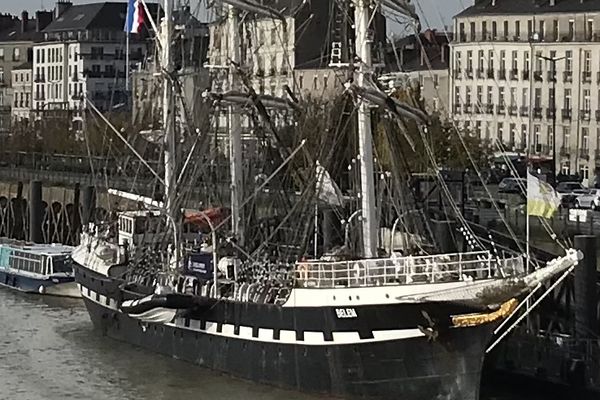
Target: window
(1,74)
(525,97)
(16,54)
(461,30)
(468,96)
(585,138)
(494,30)
(587,104)
(515,60)
(523,134)
(555,30)
(571,30)
(568,60)
(529,29)
(567,99)
(301,82)
(491,60)
(587,63)
(469,60)
(500,135)
(538,61)
(481,60)
(536,136)
(456,96)
(472,26)
(479,95)
(517,29)
(490,95)
(513,134)
(541,30)
(566,136)
(505,29)
(537,99)
(513,97)
(589,33)
(273,36)
(484,30)
(502,60)
(1,54)
(526,62)
(550,137)
(457,61)
(501,96)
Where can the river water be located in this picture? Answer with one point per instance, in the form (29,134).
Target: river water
(49,351)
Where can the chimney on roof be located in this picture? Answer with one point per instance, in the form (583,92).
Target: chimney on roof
(24,21)
(61,7)
(42,20)
(552,3)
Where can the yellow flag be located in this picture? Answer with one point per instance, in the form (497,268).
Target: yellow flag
(542,199)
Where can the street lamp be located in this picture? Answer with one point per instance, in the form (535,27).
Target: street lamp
(553,60)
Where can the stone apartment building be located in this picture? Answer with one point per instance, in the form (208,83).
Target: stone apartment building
(311,54)
(22,86)
(519,68)
(421,62)
(17,36)
(82,54)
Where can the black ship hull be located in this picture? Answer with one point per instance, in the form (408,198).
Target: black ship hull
(416,366)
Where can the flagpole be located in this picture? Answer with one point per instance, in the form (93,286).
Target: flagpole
(127,62)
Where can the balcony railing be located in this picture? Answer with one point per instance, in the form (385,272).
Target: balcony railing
(525,75)
(586,76)
(480,73)
(584,154)
(551,76)
(550,113)
(457,73)
(500,108)
(514,74)
(568,76)
(469,73)
(565,151)
(537,112)
(490,73)
(512,110)
(585,115)
(489,108)
(537,76)
(39,79)
(597,115)
(457,109)
(566,114)
(466,108)
(524,111)
(502,74)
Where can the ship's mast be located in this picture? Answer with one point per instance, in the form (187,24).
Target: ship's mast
(235,130)
(169,127)
(365,140)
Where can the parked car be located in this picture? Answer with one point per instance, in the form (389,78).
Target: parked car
(589,200)
(512,185)
(569,192)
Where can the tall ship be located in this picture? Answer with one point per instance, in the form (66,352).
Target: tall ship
(250,287)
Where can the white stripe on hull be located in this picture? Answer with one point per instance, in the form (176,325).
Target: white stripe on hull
(311,338)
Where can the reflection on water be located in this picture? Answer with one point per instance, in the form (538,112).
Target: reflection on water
(49,351)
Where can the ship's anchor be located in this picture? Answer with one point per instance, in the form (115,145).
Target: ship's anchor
(430,331)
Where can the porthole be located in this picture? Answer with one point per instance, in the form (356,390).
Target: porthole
(387,296)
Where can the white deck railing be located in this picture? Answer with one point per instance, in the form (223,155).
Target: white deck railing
(405,270)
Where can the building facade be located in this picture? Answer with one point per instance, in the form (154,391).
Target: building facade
(526,74)
(421,63)
(309,53)
(17,35)
(82,55)
(22,84)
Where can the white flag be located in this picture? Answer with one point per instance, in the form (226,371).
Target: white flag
(542,199)
(327,190)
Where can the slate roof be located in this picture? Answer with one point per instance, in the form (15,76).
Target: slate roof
(108,15)
(89,16)
(14,34)
(520,7)
(23,66)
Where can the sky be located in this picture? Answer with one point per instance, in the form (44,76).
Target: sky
(435,13)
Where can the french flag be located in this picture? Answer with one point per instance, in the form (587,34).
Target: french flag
(135,16)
